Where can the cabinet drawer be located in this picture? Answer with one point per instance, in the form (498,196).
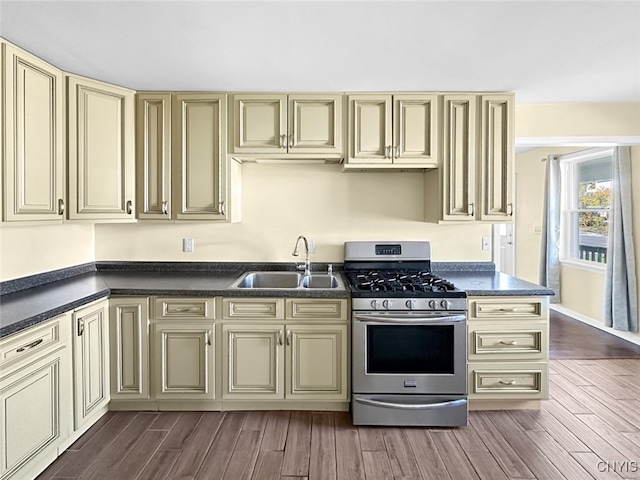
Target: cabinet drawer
(500,343)
(516,308)
(312,308)
(181,307)
(517,381)
(34,341)
(245,308)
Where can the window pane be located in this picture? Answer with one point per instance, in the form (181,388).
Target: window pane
(593,228)
(594,183)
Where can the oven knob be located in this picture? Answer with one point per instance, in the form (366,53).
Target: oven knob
(386,304)
(432,304)
(411,304)
(374,304)
(445,304)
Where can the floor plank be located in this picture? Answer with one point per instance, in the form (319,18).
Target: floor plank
(159,465)
(181,431)
(402,458)
(165,421)
(244,456)
(268,465)
(217,458)
(349,463)
(275,433)
(371,439)
(298,448)
(376,465)
(454,459)
(428,460)
(322,462)
(139,455)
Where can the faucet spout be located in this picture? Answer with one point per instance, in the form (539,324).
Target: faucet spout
(295,253)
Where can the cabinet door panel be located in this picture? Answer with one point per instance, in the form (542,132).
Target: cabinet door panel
(199,147)
(260,123)
(315,123)
(91,361)
(369,128)
(497,156)
(253,361)
(101,150)
(34,162)
(129,331)
(154,155)
(459,157)
(184,361)
(416,129)
(317,361)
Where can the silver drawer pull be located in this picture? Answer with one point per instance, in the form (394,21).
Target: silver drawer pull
(186,309)
(411,406)
(510,382)
(31,345)
(512,342)
(512,309)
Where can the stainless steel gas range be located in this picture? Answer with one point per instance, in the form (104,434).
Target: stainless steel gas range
(409,337)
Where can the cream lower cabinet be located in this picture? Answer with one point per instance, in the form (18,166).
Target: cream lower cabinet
(475,181)
(35,397)
(301,357)
(34,155)
(129,346)
(508,350)
(100,150)
(91,363)
(183,348)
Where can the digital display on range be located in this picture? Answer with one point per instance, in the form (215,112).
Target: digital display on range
(388,250)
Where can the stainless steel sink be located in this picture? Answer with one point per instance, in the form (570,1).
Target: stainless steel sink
(286,281)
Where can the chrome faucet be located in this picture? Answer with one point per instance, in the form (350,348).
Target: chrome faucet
(307,264)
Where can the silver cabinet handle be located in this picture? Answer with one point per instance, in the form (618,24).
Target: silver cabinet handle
(512,342)
(387,149)
(279,337)
(512,309)
(129,207)
(290,141)
(165,208)
(396,153)
(288,337)
(222,208)
(472,209)
(187,309)
(510,382)
(409,406)
(30,345)
(510,209)
(80,327)
(60,206)
(283,141)
(207,337)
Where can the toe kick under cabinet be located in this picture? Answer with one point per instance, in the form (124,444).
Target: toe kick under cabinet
(508,352)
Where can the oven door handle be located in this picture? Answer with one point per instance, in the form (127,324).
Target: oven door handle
(412,406)
(410,320)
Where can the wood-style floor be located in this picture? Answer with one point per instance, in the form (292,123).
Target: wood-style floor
(589,428)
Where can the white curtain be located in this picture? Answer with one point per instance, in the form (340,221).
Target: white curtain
(621,292)
(550,255)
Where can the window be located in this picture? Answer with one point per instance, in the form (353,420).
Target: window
(584,222)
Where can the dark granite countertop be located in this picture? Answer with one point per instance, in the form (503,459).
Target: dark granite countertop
(67,291)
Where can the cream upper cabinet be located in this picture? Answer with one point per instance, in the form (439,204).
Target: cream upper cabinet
(398,130)
(91,361)
(496,158)
(199,156)
(184,360)
(101,150)
(475,182)
(35,397)
(129,346)
(153,155)
(33,155)
(300,125)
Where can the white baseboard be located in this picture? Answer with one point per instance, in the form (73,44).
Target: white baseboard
(630,337)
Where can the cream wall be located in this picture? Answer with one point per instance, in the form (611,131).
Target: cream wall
(35,249)
(280,202)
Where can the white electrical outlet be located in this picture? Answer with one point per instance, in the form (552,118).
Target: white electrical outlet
(188,245)
(486,243)
(312,246)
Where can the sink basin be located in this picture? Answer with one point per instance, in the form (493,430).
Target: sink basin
(286,281)
(320,281)
(269,280)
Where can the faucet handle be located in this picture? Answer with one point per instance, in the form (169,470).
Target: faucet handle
(330,269)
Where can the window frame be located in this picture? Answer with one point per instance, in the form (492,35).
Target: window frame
(568,174)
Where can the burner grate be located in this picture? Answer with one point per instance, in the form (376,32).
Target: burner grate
(399,281)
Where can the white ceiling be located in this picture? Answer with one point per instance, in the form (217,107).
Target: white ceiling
(547,52)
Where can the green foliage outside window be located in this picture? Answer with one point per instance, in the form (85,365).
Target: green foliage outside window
(593,196)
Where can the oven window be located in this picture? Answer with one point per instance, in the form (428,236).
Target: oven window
(418,349)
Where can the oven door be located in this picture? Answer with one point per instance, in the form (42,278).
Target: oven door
(409,352)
